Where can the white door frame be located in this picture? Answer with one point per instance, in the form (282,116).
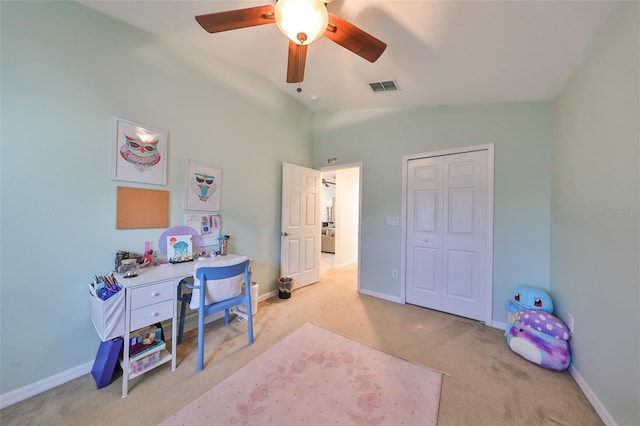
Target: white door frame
(488,317)
(357,165)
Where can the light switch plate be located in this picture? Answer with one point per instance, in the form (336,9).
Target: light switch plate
(393,221)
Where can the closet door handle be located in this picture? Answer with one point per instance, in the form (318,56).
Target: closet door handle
(285,234)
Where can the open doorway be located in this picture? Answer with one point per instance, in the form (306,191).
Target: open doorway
(340,216)
(327,216)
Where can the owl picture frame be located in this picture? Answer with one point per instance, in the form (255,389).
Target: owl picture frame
(203,185)
(140,153)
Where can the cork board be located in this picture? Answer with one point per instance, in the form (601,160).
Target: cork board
(142,208)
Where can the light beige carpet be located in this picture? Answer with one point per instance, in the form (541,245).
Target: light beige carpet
(315,376)
(487,384)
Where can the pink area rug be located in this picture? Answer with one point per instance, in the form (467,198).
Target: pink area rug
(317,377)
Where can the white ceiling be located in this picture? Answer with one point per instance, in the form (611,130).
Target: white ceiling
(439,52)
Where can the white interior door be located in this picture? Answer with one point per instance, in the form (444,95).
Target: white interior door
(447,233)
(300,234)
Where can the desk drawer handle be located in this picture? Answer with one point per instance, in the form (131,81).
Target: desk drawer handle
(155,293)
(154,314)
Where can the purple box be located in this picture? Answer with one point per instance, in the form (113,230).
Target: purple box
(105,363)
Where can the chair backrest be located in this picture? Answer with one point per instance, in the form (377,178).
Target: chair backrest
(213,273)
(206,273)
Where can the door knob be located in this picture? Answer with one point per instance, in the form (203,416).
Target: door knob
(285,234)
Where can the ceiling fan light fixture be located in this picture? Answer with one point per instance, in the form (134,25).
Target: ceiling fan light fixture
(302,21)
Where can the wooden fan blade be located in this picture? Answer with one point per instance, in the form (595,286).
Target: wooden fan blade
(354,39)
(297,59)
(234,19)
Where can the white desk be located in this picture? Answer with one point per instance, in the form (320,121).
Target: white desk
(151,297)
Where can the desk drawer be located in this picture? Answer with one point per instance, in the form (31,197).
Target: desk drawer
(151,294)
(151,314)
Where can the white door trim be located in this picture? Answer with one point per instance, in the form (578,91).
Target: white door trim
(490,193)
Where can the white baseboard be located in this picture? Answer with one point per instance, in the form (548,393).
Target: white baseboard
(380,296)
(582,384)
(15,396)
(498,324)
(33,389)
(345,264)
(592,397)
(269,295)
(36,388)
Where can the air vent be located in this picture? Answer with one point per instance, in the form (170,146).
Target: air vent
(383,86)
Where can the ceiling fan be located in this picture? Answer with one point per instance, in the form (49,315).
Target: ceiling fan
(302,21)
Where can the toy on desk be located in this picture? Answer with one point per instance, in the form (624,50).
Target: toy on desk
(223,241)
(147,257)
(534,332)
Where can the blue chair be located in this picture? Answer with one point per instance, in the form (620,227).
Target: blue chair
(207,273)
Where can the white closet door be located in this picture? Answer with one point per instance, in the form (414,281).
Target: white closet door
(464,234)
(424,233)
(447,233)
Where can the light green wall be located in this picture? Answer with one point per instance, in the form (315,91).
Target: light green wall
(595,244)
(380,138)
(66,71)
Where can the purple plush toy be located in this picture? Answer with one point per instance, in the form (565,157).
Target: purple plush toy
(541,338)
(533,332)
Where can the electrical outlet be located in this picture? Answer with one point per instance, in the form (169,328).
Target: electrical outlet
(570,322)
(394,273)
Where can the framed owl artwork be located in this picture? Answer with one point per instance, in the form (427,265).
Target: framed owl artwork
(203,185)
(140,153)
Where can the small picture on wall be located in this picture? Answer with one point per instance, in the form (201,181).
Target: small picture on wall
(140,153)
(203,185)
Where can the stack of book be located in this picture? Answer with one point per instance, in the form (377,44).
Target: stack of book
(140,351)
(145,349)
